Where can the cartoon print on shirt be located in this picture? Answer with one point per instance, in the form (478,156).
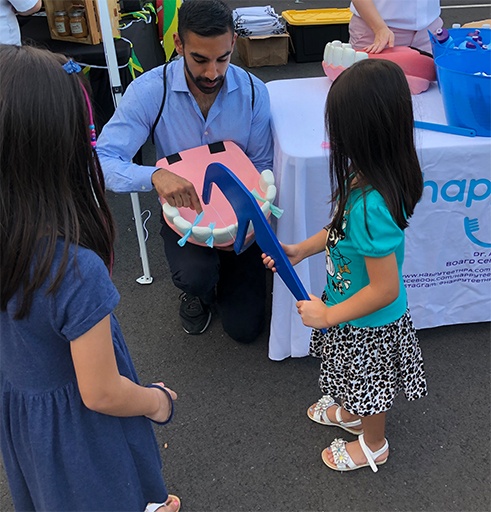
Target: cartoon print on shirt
(335,259)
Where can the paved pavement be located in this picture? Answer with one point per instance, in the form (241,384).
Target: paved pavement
(241,441)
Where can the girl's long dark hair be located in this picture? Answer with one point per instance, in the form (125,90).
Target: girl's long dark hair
(369,120)
(50,178)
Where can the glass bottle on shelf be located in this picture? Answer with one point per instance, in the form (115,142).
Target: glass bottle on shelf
(62,24)
(78,24)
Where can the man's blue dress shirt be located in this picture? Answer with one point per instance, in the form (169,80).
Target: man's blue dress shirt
(182,125)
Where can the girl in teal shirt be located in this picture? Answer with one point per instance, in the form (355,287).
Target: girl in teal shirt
(361,327)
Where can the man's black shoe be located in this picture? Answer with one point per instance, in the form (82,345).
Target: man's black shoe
(195,316)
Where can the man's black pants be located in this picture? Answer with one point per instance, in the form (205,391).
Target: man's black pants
(237,283)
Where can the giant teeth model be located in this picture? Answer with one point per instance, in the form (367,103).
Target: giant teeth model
(222,236)
(341,54)
(418,67)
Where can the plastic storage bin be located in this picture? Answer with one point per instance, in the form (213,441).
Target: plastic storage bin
(466,91)
(458,36)
(311,29)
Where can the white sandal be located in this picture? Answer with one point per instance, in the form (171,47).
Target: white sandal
(153,507)
(319,415)
(343,461)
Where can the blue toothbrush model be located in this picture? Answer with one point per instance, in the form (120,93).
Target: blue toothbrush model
(247,210)
(443,128)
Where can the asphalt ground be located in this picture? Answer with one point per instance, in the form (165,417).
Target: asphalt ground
(240,440)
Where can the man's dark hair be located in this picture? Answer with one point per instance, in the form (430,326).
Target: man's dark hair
(206,18)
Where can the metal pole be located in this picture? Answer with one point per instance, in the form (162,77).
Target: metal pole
(117,92)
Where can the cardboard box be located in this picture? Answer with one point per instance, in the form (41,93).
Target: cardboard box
(477,24)
(311,29)
(257,51)
(91,15)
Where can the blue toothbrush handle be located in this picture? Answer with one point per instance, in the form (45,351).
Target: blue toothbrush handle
(247,210)
(270,245)
(443,128)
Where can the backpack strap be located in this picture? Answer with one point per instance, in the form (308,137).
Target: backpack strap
(157,119)
(164,77)
(253,91)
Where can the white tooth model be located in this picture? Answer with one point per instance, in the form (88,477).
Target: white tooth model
(339,56)
(207,233)
(418,67)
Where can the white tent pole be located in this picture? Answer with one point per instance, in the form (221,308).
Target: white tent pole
(117,91)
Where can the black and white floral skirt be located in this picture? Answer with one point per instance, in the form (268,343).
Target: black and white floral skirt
(367,367)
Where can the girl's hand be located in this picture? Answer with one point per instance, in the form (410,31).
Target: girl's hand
(163,411)
(268,262)
(291,250)
(313,312)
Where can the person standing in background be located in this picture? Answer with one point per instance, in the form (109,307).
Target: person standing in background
(9,26)
(379,24)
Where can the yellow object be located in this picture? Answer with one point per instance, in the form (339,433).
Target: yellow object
(170,25)
(311,29)
(317,16)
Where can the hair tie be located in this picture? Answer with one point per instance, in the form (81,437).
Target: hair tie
(71,67)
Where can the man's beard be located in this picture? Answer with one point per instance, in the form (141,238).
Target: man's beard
(200,81)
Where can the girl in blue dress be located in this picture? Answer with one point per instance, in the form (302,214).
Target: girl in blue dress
(362,327)
(75,427)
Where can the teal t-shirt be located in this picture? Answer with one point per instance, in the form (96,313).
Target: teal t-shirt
(368,231)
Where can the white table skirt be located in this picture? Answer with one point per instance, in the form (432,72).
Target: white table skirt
(447,267)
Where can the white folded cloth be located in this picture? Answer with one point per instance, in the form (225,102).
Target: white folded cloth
(257,21)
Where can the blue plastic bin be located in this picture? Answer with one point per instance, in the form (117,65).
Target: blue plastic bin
(458,35)
(466,96)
